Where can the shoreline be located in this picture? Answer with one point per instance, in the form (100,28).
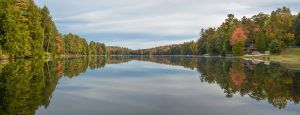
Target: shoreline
(284,59)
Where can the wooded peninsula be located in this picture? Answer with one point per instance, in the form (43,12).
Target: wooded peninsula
(28,31)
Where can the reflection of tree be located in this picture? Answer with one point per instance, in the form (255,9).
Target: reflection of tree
(24,87)
(97,62)
(74,66)
(118,59)
(237,73)
(187,62)
(60,67)
(274,83)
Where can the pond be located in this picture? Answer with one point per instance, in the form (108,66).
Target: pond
(148,85)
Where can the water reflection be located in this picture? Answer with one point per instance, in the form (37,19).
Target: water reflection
(274,83)
(26,85)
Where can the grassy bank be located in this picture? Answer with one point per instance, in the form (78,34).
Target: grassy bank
(289,57)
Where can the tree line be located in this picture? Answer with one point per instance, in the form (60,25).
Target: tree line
(261,32)
(29,31)
(116,50)
(187,48)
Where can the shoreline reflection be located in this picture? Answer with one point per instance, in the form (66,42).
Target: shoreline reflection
(26,85)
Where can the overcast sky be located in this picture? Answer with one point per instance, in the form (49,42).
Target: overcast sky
(149,23)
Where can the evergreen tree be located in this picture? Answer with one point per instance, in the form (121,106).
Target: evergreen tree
(201,43)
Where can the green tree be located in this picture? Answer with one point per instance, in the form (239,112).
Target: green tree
(22,13)
(211,41)
(260,41)
(36,30)
(250,29)
(9,31)
(297,29)
(276,46)
(238,49)
(262,20)
(93,48)
(15,36)
(50,31)
(201,42)
(281,26)
(75,45)
(231,23)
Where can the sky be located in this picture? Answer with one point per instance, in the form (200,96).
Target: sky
(139,24)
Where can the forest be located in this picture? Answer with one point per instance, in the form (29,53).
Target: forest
(264,32)
(28,31)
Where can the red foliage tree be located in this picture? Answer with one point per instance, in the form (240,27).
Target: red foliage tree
(238,36)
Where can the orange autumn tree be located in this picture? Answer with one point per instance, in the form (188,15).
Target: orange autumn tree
(237,42)
(59,44)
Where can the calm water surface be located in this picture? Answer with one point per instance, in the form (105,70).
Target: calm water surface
(148,86)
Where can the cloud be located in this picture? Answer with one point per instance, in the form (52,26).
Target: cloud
(154,19)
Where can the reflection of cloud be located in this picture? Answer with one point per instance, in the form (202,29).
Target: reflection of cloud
(158,18)
(152,79)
